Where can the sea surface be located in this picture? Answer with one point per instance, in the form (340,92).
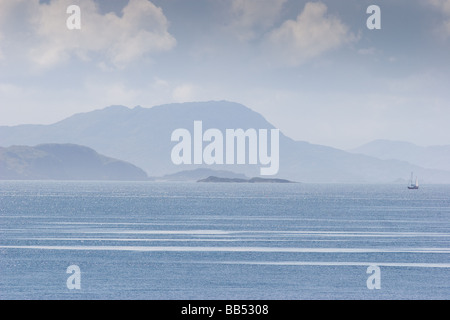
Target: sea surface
(150,240)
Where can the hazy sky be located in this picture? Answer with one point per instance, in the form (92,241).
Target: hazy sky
(312,68)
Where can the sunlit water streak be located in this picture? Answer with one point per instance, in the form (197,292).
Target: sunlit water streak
(150,240)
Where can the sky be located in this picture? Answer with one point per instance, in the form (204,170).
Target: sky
(311,68)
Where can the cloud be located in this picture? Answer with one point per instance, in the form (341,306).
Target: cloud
(254,14)
(141,29)
(184,93)
(367,51)
(444,7)
(10,89)
(310,35)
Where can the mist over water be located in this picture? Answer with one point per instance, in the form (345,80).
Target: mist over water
(149,240)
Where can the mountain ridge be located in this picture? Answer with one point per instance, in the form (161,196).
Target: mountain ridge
(142,136)
(433,157)
(63,162)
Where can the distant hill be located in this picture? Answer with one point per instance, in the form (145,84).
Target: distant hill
(433,157)
(142,136)
(200,173)
(238,180)
(63,162)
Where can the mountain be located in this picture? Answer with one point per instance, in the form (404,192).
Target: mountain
(200,173)
(142,136)
(63,162)
(433,157)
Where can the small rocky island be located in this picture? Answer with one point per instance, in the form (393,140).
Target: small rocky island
(239,180)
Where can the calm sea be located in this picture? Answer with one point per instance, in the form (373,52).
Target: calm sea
(152,240)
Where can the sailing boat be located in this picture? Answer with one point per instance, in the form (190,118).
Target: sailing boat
(413,185)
